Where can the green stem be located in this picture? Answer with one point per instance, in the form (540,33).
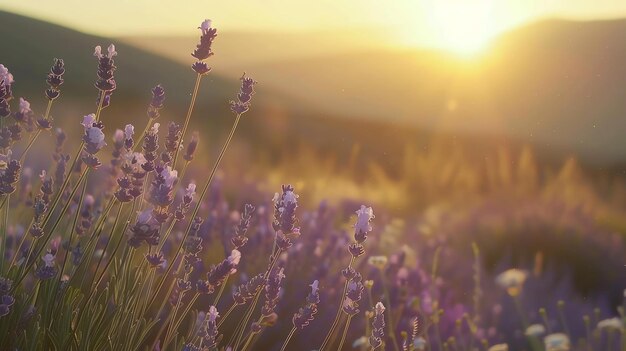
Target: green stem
(197,207)
(187,118)
(72,230)
(49,235)
(339,310)
(293,330)
(392,329)
(345,332)
(5,220)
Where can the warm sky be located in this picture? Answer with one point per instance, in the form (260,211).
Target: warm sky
(453,24)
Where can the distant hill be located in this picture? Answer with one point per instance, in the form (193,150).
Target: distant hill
(558,84)
(375,101)
(30,45)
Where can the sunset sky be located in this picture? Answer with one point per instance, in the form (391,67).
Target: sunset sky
(462,25)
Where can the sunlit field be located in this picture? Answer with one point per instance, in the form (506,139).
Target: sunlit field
(347,191)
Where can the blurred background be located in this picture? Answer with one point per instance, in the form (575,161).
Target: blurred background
(496,122)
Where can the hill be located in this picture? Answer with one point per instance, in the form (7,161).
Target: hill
(554,83)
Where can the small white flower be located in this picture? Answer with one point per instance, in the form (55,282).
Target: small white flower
(42,175)
(377,261)
(24,106)
(512,280)
(129,131)
(557,342)
(535,330)
(111,51)
(169,175)
(48,260)
(611,323)
(88,120)
(499,347)
(213,314)
(419,343)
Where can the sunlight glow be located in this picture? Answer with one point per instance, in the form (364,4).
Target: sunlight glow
(462,26)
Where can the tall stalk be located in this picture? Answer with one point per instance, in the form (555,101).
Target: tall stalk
(187,118)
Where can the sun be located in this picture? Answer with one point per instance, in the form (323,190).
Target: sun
(461,26)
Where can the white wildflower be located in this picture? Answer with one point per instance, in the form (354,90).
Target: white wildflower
(535,330)
(512,280)
(557,342)
(499,347)
(611,323)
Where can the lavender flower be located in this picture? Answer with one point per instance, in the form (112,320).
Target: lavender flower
(361,228)
(191,147)
(209,339)
(55,79)
(6,301)
(150,146)
(9,176)
(129,131)
(284,223)
(245,292)
(156,104)
(106,68)
(48,269)
(203,50)
(306,314)
(378,326)
(6,79)
(145,229)
(272,291)
(244,98)
(240,239)
(161,191)
(218,274)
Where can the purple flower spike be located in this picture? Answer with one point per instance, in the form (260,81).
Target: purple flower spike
(244,97)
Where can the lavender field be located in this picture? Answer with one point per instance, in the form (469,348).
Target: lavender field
(211,220)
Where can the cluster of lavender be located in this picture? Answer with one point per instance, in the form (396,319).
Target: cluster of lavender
(106,69)
(163,258)
(305,314)
(203,50)
(6,79)
(5,298)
